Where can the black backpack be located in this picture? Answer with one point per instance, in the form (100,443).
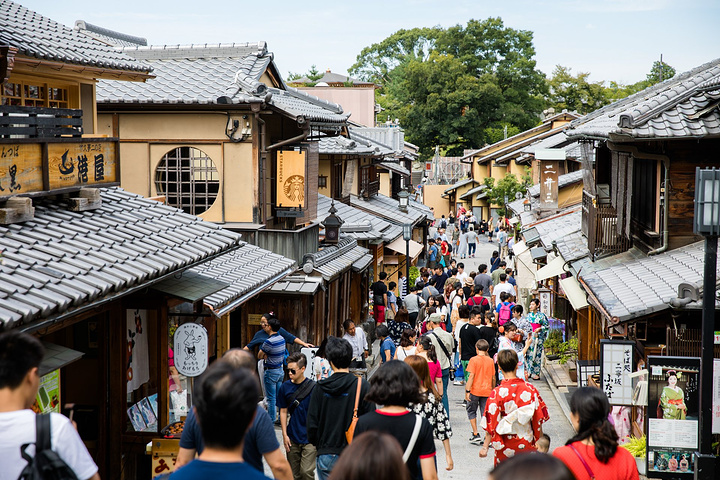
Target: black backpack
(47,464)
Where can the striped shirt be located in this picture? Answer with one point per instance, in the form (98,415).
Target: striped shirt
(274,348)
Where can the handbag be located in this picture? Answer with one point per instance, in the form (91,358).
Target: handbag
(413,438)
(350,432)
(587,467)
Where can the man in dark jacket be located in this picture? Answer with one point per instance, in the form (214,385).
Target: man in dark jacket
(332,404)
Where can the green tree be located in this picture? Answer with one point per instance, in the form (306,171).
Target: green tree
(507,187)
(660,71)
(313,74)
(575,93)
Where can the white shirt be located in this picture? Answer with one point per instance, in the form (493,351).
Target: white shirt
(502,287)
(358,342)
(462,277)
(18,428)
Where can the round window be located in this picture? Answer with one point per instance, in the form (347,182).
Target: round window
(188,179)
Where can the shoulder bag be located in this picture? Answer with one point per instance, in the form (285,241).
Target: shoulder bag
(351,429)
(585,464)
(413,438)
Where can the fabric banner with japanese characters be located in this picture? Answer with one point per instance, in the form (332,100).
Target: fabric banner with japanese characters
(616,363)
(138,369)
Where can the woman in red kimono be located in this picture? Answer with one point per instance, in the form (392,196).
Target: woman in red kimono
(514,413)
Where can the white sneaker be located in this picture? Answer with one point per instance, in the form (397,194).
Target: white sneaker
(458,382)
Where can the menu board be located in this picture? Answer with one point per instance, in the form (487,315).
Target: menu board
(616,363)
(673,416)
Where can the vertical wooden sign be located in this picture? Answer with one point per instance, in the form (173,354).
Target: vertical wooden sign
(290,176)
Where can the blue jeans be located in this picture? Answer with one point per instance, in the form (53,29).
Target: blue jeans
(273,380)
(471,248)
(446,382)
(325,464)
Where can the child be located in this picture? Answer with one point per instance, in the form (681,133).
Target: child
(543,444)
(481,381)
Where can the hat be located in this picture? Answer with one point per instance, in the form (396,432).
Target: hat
(436,318)
(469,282)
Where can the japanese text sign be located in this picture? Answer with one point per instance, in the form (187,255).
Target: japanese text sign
(616,362)
(191,349)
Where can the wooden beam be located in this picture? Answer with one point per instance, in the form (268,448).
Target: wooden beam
(16,210)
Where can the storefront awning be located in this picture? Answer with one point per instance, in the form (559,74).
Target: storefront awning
(398,245)
(574,292)
(190,286)
(520,248)
(56,357)
(552,269)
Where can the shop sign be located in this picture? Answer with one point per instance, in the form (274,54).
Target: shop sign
(191,349)
(254,318)
(48,396)
(545,300)
(673,416)
(138,368)
(616,363)
(549,184)
(290,185)
(717,338)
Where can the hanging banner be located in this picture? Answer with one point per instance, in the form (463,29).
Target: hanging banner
(290,186)
(673,412)
(138,368)
(191,349)
(616,363)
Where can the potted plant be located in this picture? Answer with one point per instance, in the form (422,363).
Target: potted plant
(552,344)
(637,448)
(568,356)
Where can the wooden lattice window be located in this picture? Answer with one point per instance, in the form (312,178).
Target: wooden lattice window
(34,95)
(188,179)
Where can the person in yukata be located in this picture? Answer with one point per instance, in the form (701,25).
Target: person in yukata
(514,413)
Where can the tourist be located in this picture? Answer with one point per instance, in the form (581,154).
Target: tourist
(262,335)
(481,381)
(443,342)
(532,466)
(397,326)
(511,336)
(426,350)
(392,306)
(331,406)
(321,366)
(541,328)
(413,302)
(374,455)
(395,386)
(431,407)
(387,346)
(519,432)
(294,400)
(380,298)
(272,352)
(593,452)
(407,344)
(358,341)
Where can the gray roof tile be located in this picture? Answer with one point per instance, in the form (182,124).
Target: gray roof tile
(380,229)
(389,209)
(40,37)
(69,265)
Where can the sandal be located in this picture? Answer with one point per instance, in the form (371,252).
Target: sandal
(536,377)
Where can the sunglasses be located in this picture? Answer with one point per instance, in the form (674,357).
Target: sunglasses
(292,371)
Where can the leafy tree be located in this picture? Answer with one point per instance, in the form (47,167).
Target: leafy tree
(660,71)
(507,186)
(313,74)
(575,93)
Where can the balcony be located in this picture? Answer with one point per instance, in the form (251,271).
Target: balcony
(39,122)
(600,227)
(369,189)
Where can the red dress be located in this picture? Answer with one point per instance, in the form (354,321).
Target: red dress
(513,417)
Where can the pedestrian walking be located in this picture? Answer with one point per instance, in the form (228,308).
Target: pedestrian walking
(507,341)
(358,341)
(395,386)
(321,368)
(225,399)
(332,403)
(541,329)
(514,413)
(481,381)
(260,441)
(593,452)
(407,344)
(372,454)
(392,304)
(468,337)
(272,352)
(443,342)
(473,239)
(426,350)
(413,302)
(387,346)
(380,298)
(294,400)
(431,407)
(463,243)
(20,358)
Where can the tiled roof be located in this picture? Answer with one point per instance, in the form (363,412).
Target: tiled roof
(297,284)
(379,229)
(558,226)
(330,77)
(421,207)
(394,167)
(391,138)
(459,184)
(473,191)
(333,260)
(633,288)
(110,37)
(188,74)
(572,246)
(685,106)
(249,269)
(62,261)
(310,108)
(339,145)
(389,209)
(40,37)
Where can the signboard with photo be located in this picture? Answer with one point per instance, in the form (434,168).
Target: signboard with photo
(616,363)
(673,413)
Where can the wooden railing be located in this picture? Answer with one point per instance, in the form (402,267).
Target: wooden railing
(685,343)
(373,188)
(600,226)
(39,122)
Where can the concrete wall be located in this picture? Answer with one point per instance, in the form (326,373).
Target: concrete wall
(432,198)
(359,101)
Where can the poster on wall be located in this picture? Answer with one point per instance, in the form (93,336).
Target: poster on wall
(48,396)
(191,349)
(616,363)
(138,368)
(290,186)
(673,414)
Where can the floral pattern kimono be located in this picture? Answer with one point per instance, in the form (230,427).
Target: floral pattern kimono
(435,414)
(670,400)
(535,352)
(513,417)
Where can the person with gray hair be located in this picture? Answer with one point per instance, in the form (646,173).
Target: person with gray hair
(260,441)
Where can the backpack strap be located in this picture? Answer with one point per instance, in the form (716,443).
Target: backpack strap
(413,438)
(300,394)
(42,432)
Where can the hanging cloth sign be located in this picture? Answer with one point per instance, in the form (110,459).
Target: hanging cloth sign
(191,349)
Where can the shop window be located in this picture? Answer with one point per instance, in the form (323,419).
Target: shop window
(34,95)
(188,179)
(141,370)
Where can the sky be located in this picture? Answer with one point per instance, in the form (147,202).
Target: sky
(614,40)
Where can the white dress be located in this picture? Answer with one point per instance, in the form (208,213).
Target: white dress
(463,247)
